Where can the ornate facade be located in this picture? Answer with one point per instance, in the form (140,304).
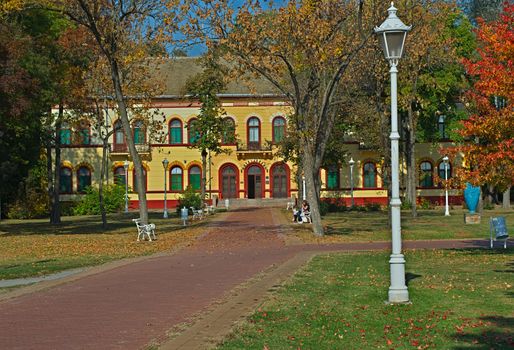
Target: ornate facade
(250,169)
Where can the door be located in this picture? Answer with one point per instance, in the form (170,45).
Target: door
(228,183)
(254,182)
(279,178)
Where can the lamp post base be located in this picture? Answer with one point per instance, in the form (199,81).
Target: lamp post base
(398,292)
(165,215)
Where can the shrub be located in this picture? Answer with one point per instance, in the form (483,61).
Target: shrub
(424,203)
(32,198)
(406,204)
(189,198)
(372,206)
(323,208)
(114,200)
(488,206)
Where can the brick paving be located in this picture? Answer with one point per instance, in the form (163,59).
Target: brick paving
(130,306)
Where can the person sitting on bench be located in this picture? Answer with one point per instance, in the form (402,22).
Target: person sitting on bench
(296,214)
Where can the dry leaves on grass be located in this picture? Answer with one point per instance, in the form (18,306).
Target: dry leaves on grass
(74,245)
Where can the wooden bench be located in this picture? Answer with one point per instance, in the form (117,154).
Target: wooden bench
(142,230)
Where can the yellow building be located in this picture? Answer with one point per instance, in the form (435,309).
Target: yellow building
(251,169)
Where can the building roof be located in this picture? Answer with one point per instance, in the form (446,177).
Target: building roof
(176,71)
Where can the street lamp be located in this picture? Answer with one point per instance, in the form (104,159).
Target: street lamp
(391,35)
(125,166)
(304,195)
(447,208)
(352,163)
(165,163)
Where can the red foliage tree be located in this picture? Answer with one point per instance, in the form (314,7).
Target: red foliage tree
(489,150)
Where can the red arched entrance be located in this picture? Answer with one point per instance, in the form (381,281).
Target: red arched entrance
(254,184)
(228,181)
(280,184)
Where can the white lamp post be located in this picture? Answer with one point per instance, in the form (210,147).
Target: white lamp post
(125,166)
(391,35)
(447,208)
(352,163)
(304,195)
(165,163)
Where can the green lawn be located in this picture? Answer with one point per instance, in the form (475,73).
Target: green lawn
(460,300)
(373,226)
(34,247)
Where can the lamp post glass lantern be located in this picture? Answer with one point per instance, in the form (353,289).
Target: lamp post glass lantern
(126,166)
(165,163)
(391,35)
(447,207)
(352,163)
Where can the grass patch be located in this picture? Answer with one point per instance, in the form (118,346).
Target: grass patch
(35,248)
(354,226)
(460,300)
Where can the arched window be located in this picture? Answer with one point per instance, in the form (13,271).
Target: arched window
(65,134)
(370,175)
(229,131)
(134,176)
(279,129)
(254,137)
(425,174)
(192,134)
(119,137)
(84,133)
(139,132)
(333,178)
(442,171)
(65,180)
(175,132)
(177,179)
(119,176)
(195,177)
(83,179)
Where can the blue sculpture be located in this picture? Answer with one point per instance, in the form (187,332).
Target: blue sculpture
(471,196)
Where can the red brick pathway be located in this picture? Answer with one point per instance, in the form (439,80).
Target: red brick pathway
(129,306)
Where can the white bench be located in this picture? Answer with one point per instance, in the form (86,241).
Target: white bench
(142,230)
(209,209)
(197,213)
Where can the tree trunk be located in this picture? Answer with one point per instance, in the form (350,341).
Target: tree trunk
(204,173)
(299,184)
(49,174)
(55,214)
(311,174)
(489,194)
(411,163)
(138,164)
(506,198)
(101,184)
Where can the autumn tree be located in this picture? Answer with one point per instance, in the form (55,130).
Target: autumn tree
(429,53)
(125,32)
(210,128)
(99,109)
(303,49)
(19,126)
(489,132)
